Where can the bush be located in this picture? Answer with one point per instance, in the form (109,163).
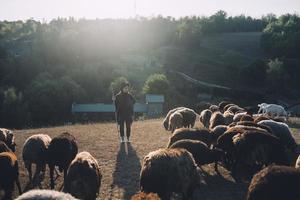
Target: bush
(156,84)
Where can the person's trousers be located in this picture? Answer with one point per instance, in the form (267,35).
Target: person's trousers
(128,127)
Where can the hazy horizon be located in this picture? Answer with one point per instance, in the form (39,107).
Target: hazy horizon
(91,9)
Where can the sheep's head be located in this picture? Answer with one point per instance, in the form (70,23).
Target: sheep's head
(10,141)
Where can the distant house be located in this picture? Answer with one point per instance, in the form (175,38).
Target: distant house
(152,108)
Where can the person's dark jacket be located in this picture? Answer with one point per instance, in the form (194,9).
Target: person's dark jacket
(124,106)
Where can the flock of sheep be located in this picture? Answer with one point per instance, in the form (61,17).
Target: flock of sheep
(82,175)
(256,147)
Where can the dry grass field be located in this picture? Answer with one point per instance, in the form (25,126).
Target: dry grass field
(120,164)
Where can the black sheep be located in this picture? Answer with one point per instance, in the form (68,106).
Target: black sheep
(165,171)
(275,183)
(61,151)
(194,134)
(201,152)
(9,173)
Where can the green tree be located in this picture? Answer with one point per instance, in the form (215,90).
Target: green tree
(156,84)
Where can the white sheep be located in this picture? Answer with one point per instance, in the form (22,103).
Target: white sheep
(34,151)
(272,109)
(45,195)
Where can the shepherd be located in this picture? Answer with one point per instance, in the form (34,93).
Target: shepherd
(124,109)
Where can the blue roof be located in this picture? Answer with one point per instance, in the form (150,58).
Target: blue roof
(154,98)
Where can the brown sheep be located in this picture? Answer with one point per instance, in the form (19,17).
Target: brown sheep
(61,151)
(247,118)
(228,105)
(222,104)
(275,183)
(166,119)
(83,179)
(35,151)
(188,117)
(201,152)
(144,196)
(4,147)
(205,117)
(175,121)
(165,171)
(9,173)
(194,134)
(8,137)
(214,108)
(217,132)
(216,119)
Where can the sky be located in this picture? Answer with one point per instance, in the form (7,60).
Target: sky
(91,9)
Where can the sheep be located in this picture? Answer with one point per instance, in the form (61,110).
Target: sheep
(217,132)
(228,105)
(222,104)
(34,151)
(255,149)
(194,134)
(214,108)
(166,120)
(61,151)
(144,196)
(83,179)
(169,170)
(175,121)
(237,117)
(235,109)
(8,137)
(282,131)
(189,117)
(297,164)
(272,109)
(249,124)
(260,118)
(45,195)
(4,147)
(247,118)
(201,152)
(9,173)
(216,119)
(228,117)
(275,183)
(205,117)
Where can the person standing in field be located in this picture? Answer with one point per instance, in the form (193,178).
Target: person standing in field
(124,108)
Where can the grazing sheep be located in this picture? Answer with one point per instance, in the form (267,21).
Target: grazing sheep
(175,121)
(282,131)
(247,118)
(8,137)
(216,119)
(205,117)
(234,109)
(144,196)
(45,195)
(61,151)
(200,151)
(237,117)
(84,177)
(275,183)
(165,171)
(214,108)
(228,105)
(166,120)
(4,147)
(218,131)
(9,173)
(34,151)
(297,165)
(249,124)
(189,117)
(228,117)
(272,109)
(222,104)
(256,149)
(194,134)
(259,118)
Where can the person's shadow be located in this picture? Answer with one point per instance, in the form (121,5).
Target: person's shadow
(127,171)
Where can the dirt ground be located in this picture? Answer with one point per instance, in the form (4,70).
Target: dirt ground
(121,164)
